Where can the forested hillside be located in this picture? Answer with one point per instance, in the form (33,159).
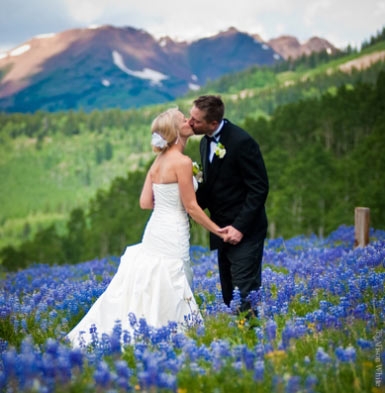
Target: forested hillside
(70,181)
(259,91)
(324,157)
(53,163)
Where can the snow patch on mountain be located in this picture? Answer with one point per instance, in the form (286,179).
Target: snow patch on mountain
(47,35)
(193,86)
(153,76)
(20,50)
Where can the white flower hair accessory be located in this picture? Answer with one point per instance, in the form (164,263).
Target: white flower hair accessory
(158,141)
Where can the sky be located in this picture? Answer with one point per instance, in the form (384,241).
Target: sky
(342,22)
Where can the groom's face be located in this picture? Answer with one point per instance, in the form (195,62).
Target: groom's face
(198,123)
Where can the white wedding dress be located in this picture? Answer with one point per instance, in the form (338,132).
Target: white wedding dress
(154,277)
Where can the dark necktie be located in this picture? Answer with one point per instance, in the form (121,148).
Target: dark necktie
(214,138)
(211,139)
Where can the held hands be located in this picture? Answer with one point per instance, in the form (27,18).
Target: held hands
(231,235)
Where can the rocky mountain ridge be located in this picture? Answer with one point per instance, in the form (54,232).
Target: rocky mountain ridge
(126,67)
(290,48)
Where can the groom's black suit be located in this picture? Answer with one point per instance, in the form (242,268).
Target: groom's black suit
(234,190)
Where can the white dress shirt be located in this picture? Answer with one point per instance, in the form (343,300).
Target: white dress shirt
(213,144)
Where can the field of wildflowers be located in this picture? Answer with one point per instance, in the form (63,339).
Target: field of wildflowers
(320,327)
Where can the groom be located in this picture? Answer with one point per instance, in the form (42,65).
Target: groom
(234,191)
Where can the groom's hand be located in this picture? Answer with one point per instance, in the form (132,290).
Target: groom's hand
(232,235)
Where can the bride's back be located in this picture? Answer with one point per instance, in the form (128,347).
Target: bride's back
(163,170)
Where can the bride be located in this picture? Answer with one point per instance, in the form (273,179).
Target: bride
(154,277)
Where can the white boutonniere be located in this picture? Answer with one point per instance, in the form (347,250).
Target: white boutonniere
(197,172)
(220,150)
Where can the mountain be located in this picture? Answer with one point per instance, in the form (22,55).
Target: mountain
(289,47)
(110,67)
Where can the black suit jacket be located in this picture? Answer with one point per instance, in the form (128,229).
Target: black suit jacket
(236,186)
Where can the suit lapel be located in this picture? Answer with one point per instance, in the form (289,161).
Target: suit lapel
(205,158)
(215,165)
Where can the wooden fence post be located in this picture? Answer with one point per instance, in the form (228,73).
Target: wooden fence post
(361,226)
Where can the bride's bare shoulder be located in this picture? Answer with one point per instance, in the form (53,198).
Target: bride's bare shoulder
(181,159)
(185,161)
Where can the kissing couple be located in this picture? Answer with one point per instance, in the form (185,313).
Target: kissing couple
(154,277)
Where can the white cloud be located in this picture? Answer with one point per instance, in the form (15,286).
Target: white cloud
(313,9)
(85,11)
(280,29)
(380,9)
(211,19)
(343,21)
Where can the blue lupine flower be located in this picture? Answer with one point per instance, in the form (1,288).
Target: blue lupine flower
(259,351)
(235,303)
(310,383)
(254,298)
(365,344)
(346,354)
(322,356)
(293,384)
(115,338)
(259,370)
(52,346)
(44,295)
(76,358)
(102,374)
(122,370)
(271,329)
(126,337)
(259,333)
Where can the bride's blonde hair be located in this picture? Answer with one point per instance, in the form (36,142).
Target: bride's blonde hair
(167,126)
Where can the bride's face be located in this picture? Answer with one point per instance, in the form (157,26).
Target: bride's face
(185,129)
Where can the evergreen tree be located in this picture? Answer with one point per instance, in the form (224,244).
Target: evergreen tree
(74,241)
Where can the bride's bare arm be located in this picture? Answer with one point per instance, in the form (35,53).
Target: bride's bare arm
(146,200)
(187,192)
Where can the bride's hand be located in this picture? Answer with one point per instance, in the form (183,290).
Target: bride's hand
(223,233)
(231,235)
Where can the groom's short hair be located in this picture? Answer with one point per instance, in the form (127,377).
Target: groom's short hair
(212,106)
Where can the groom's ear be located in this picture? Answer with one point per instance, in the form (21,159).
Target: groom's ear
(214,125)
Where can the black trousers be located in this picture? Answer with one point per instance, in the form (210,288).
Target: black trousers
(241,266)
